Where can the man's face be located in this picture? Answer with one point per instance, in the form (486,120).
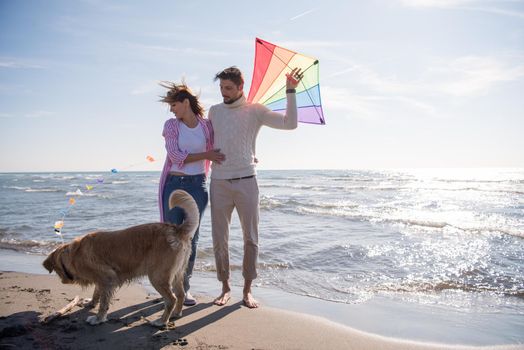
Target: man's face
(230,92)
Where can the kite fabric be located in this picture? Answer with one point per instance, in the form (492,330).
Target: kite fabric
(268,85)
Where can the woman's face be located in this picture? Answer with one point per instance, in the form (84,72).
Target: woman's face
(178,108)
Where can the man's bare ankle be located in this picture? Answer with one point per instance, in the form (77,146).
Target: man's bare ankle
(225,296)
(250,301)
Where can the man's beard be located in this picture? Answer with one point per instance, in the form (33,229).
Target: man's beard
(233,101)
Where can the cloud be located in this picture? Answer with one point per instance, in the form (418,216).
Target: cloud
(373,107)
(496,11)
(185,50)
(345,102)
(39,114)
(463,76)
(468,5)
(17,64)
(364,75)
(105,6)
(370,94)
(473,75)
(6,115)
(302,14)
(435,3)
(145,88)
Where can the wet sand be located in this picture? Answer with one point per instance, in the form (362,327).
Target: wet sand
(26,299)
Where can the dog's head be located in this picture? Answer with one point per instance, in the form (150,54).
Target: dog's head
(60,262)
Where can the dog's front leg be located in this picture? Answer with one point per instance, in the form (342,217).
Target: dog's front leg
(105,294)
(92,302)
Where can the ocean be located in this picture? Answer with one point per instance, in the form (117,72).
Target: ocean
(444,238)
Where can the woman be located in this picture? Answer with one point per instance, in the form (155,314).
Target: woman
(189,146)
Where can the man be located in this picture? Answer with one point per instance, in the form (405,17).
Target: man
(236,124)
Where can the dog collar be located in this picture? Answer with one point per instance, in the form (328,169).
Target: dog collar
(68,275)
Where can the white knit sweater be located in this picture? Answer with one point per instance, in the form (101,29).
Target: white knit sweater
(236,127)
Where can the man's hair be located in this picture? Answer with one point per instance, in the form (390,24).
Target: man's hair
(232,73)
(178,93)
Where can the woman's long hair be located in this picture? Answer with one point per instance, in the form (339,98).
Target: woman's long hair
(180,92)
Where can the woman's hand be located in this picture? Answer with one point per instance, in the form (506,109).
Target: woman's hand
(215,156)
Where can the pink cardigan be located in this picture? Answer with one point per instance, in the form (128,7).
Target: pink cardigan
(178,156)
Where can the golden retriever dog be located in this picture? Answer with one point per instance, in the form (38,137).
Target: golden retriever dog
(109,259)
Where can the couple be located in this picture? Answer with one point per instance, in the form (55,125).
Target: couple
(227,140)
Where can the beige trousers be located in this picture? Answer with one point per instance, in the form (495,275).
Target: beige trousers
(226,195)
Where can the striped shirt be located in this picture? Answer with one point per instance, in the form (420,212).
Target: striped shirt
(177,156)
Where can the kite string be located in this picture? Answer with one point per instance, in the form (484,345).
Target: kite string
(60,223)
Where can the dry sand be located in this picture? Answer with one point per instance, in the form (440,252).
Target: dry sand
(25,299)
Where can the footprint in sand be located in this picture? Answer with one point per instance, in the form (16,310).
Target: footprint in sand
(181,342)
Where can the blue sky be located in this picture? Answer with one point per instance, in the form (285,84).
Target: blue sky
(404,83)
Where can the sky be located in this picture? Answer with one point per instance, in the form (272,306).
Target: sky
(404,83)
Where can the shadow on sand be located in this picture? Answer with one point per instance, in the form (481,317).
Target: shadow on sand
(126,328)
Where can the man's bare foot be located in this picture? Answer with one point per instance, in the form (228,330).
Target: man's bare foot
(222,299)
(225,296)
(249,301)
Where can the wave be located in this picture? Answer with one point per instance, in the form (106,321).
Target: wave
(42,190)
(93,177)
(31,246)
(356,212)
(474,181)
(78,192)
(414,222)
(441,225)
(506,231)
(30,189)
(461,189)
(441,286)
(386,188)
(63,177)
(355,293)
(297,187)
(330,188)
(208,266)
(267,203)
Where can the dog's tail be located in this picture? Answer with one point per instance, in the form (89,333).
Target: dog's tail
(182,199)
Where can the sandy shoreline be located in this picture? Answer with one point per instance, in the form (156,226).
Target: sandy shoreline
(27,298)
(30,295)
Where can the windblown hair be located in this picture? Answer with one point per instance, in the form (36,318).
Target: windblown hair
(180,92)
(232,73)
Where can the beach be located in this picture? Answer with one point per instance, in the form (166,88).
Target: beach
(27,298)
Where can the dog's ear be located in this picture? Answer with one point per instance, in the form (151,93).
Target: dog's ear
(48,263)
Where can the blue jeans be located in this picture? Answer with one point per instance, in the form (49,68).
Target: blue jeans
(195,185)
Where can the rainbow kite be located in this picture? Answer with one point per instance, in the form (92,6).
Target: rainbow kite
(268,85)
